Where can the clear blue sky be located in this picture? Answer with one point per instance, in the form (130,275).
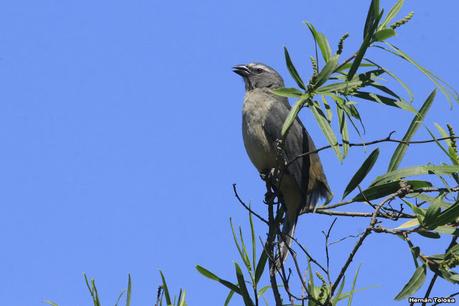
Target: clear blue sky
(120,124)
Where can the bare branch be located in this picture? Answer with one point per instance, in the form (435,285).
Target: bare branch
(247,207)
(363,144)
(365,235)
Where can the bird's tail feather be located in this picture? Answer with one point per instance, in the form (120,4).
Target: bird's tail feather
(288,231)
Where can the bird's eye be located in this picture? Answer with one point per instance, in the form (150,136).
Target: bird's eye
(259,70)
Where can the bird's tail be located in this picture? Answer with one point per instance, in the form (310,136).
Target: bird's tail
(285,240)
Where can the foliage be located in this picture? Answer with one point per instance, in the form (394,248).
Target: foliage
(428,193)
(163,294)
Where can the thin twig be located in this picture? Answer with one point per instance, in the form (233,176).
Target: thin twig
(364,236)
(449,296)
(434,278)
(247,207)
(361,214)
(363,144)
(327,237)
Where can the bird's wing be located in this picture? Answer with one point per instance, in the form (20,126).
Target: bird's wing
(298,141)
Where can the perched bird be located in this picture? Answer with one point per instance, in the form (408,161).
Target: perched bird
(263,114)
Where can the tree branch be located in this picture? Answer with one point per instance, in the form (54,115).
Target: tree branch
(363,144)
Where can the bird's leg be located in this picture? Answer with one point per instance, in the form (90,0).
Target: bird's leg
(270,195)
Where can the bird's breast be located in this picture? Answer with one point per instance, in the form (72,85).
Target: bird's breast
(257,145)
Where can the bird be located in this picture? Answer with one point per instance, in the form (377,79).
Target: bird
(303,182)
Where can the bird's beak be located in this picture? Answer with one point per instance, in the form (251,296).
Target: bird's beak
(242,70)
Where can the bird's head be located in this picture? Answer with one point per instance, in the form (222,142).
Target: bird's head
(258,75)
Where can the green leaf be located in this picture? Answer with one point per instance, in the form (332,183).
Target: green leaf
(243,288)
(449,230)
(241,248)
(382,190)
(288,92)
(254,242)
(384,100)
(214,277)
(410,223)
(431,215)
(326,129)
(292,116)
(449,275)
(351,293)
(327,108)
(448,153)
(128,292)
(321,40)
(414,126)
(427,234)
(451,150)
(395,77)
(337,296)
(392,13)
(228,298)
(413,284)
(338,87)
(165,289)
(446,89)
(449,215)
(420,212)
(370,26)
(384,34)
(370,21)
(437,200)
(293,72)
(182,297)
(362,172)
(343,130)
(413,171)
(325,73)
(263,290)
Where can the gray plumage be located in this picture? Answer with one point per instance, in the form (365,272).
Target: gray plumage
(263,115)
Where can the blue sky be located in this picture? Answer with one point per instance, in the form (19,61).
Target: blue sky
(120,125)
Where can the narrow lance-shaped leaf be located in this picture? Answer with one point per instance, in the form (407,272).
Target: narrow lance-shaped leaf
(254,243)
(363,48)
(244,292)
(293,72)
(288,92)
(452,154)
(372,14)
(241,249)
(128,292)
(362,172)
(182,298)
(325,73)
(326,129)
(412,171)
(322,41)
(261,265)
(165,289)
(292,116)
(395,77)
(446,89)
(384,34)
(449,215)
(228,298)
(351,293)
(214,277)
(343,130)
(414,126)
(413,284)
(382,190)
(392,13)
